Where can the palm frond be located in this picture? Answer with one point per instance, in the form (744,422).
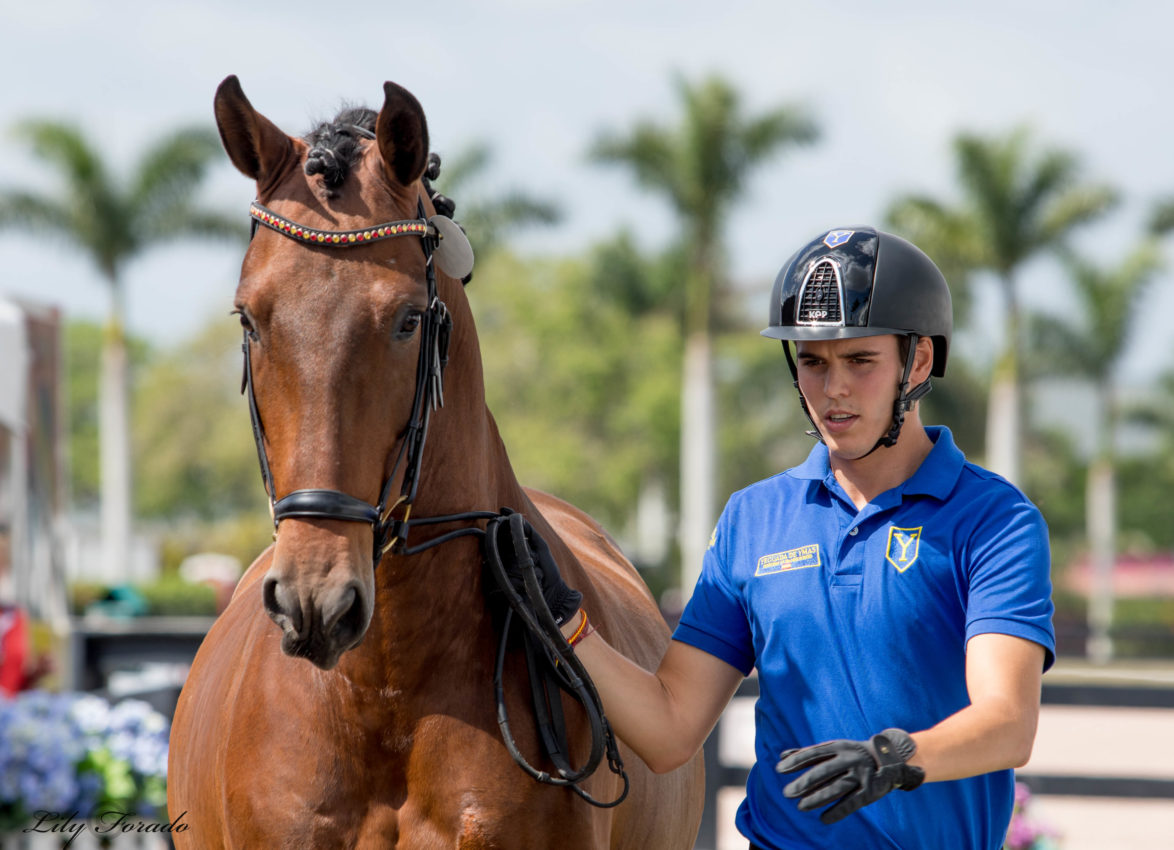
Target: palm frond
(182,221)
(1161,219)
(1077,206)
(172,168)
(34,214)
(458,170)
(63,147)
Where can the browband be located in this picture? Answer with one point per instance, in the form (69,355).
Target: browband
(339,238)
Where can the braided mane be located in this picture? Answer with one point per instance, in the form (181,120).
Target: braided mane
(334,145)
(334,148)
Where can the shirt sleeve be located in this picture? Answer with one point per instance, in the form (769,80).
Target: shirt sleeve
(714,619)
(1010,587)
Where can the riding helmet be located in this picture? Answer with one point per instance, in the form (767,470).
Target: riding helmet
(858,282)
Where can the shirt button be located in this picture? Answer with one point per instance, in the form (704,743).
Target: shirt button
(855,530)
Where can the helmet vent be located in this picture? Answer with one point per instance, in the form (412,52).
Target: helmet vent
(821,298)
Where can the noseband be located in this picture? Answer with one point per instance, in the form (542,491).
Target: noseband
(436,329)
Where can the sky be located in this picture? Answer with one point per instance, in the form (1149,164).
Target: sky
(889,84)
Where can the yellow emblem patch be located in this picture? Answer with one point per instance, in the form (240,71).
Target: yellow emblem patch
(904,546)
(802,558)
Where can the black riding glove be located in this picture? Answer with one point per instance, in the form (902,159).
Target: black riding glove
(563,601)
(851,774)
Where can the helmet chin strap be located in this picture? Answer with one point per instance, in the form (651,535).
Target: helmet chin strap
(901,405)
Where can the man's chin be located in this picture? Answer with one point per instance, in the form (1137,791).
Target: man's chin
(849,448)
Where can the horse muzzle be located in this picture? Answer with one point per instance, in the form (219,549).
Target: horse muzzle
(319,591)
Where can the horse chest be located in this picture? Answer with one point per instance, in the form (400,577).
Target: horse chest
(436,783)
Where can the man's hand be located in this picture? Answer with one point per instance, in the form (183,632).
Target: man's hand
(517,543)
(851,774)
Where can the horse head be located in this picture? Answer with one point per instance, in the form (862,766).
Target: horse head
(343,333)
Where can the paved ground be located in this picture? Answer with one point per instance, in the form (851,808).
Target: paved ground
(1139,742)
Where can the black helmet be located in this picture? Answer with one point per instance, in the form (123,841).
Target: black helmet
(863,282)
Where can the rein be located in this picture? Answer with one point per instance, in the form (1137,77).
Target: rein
(551,662)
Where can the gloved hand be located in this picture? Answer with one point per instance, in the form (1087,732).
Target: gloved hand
(563,601)
(851,774)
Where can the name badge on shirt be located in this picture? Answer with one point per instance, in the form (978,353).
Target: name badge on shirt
(802,558)
(904,544)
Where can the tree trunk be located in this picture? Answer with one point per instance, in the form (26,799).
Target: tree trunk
(698,449)
(1101,527)
(1002,420)
(1100,520)
(114,445)
(1004,424)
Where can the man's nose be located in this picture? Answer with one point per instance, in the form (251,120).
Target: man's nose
(835,382)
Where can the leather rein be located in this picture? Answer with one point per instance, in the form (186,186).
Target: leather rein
(552,663)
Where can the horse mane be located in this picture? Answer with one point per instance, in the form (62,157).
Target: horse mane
(334,144)
(334,148)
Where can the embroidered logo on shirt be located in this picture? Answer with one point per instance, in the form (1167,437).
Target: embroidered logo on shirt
(903,548)
(793,559)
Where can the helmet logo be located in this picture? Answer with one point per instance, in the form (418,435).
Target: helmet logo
(837,237)
(821,297)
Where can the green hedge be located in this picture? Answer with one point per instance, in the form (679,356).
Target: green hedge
(166,597)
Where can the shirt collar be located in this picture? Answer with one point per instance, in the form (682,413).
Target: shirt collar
(936,476)
(939,472)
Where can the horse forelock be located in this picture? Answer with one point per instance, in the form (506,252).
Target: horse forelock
(335,144)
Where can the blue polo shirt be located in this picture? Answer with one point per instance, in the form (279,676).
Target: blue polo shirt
(858,621)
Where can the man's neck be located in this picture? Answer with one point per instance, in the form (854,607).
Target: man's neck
(865,478)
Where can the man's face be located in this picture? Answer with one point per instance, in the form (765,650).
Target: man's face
(850,386)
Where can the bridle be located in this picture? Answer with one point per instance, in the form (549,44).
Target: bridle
(390,533)
(551,661)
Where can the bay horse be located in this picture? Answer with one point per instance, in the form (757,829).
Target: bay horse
(344,697)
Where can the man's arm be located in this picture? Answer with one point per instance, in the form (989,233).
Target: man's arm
(997,730)
(664,716)
(994,732)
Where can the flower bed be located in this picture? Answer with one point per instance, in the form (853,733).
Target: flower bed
(75,756)
(1026,833)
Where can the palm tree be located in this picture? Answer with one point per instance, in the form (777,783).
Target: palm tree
(487,222)
(701,166)
(1091,343)
(1017,203)
(113,221)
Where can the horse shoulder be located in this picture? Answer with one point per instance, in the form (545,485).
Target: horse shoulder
(615,596)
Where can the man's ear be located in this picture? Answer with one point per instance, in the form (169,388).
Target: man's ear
(922,361)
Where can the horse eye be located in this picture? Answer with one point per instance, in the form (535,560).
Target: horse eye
(409,325)
(246,324)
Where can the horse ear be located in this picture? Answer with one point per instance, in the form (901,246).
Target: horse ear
(402,134)
(256,146)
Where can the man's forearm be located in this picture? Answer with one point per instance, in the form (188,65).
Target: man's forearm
(664,716)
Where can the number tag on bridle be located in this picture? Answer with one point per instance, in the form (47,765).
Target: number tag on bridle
(453,254)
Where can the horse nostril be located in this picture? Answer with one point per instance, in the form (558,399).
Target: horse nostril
(269,595)
(351,619)
(286,616)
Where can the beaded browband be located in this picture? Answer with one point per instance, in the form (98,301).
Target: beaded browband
(339,238)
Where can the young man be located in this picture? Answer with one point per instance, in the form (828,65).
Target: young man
(894,598)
